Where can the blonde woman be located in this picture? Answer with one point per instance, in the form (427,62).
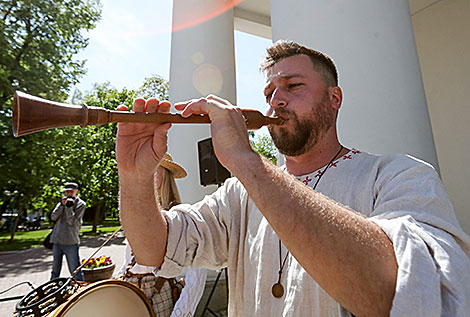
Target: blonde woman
(163,292)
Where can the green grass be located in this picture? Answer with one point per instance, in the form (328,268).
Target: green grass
(101,230)
(33,239)
(22,240)
(108,222)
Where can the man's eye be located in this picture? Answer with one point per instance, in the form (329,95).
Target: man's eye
(268,96)
(294,85)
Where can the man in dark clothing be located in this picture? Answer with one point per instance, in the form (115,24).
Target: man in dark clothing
(68,216)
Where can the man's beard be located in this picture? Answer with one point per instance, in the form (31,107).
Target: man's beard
(306,132)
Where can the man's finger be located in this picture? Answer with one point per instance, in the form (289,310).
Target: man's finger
(181,105)
(161,130)
(164,107)
(151,105)
(199,106)
(217,98)
(139,105)
(122,108)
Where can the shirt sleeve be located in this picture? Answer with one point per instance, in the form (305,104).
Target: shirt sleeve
(127,261)
(57,212)
(198,235)
(431,249)
(74,215)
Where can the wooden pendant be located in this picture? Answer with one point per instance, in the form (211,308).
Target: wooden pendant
(278,290)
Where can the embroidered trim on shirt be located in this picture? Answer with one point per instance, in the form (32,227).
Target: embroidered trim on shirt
(307,179)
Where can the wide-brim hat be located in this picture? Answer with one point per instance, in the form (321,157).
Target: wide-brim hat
(177,170)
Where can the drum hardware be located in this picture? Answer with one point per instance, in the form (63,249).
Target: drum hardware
(5,299)
(224,270)
(48,296)
(206,307)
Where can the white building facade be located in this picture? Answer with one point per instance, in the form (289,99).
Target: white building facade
(402,66)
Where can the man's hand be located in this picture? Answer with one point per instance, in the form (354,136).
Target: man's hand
(139,149)
(64,200)
(141,146)
(228,128)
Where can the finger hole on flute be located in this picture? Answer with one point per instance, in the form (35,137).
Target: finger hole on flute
(139,105)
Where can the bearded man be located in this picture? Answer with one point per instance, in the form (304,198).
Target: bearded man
(334,232)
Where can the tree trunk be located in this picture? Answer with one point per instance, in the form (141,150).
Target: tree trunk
(18,208)
(96,217)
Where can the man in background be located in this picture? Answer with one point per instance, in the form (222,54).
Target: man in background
(67,215)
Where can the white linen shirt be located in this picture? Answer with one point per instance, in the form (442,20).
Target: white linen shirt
(403,195)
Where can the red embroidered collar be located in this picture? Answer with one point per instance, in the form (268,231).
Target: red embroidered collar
(308,179)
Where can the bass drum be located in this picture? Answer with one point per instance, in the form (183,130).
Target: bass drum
(106,298)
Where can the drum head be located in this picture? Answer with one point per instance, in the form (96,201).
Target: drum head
(106,298)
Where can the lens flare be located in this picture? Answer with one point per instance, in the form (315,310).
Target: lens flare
(191,13)
(198,58)
(208,79)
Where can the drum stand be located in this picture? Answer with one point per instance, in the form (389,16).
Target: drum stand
(206,307)
(5,299)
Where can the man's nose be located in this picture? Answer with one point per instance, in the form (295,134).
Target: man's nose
(278,99)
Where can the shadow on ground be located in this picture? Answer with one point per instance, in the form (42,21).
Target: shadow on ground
(95,242)
(40,259)
(32,261)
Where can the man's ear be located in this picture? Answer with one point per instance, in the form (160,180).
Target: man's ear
(336,97)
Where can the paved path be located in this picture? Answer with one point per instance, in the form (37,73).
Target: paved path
(34,266)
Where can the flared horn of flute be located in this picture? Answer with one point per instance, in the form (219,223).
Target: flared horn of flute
(33,114)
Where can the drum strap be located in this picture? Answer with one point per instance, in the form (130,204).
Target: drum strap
(160,282)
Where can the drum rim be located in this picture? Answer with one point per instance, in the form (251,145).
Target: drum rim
(75,297)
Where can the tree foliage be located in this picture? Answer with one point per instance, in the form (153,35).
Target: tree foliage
(154,86)
(263,144)
(85,156)
(38,40)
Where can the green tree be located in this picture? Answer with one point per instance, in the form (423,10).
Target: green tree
(154,86)
(87,156)
(38,41)
(263,144)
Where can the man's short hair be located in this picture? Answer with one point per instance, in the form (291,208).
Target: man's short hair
(321,62)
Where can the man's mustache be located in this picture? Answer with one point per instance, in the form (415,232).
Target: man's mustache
(283,113)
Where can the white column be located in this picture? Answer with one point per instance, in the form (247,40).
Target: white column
(202,62)
(384,108)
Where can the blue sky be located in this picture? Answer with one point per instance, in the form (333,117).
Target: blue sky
(132,42)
